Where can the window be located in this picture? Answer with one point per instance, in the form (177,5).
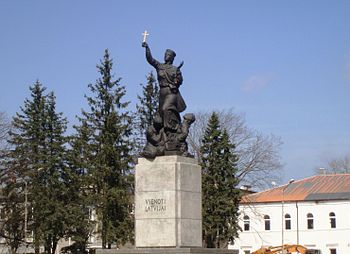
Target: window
(247,252)
(310,221)
(267,222)
(91,215)
(246,222)
(287,221)
(332,220)
(333,251)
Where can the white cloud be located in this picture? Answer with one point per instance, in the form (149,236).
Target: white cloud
(257,82)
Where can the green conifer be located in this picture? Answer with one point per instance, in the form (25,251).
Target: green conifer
(27,141)
(146,108)
(37,163)
(103,139)
(220,196)
(50,182)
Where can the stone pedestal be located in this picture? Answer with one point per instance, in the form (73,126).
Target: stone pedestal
(168,203)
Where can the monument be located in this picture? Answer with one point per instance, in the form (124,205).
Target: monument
(168,179)
(168,191)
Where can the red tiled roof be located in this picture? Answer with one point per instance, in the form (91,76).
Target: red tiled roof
(320,187)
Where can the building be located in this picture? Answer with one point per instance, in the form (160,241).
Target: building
(313,212)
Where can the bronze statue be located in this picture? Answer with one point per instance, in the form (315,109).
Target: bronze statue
(171,104)
(155,139)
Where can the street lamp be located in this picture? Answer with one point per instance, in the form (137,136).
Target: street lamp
(284,188)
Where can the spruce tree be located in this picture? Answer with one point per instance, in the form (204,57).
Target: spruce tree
(103,139)
(37,159)
(50,196)
(146,108)
(220,196)
(79,156)
(27,141)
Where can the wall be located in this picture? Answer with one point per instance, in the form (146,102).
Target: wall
(322,237)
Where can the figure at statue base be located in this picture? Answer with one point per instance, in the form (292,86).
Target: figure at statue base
(167,135)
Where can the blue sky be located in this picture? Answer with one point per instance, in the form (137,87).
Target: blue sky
(285,64)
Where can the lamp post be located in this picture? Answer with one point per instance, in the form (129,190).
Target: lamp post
(283,190)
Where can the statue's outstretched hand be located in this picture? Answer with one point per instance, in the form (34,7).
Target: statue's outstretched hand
(144,45)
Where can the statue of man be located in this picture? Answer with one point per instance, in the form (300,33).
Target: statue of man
(155,139)
(171,103)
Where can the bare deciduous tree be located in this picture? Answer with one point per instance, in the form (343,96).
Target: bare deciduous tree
(5,126)
(4,129)
(338,165)
(259,159)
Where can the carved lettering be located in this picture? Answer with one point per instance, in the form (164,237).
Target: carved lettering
(155,205)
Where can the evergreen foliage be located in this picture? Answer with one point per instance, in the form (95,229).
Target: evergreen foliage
(12,214)
(146,109)
(37,159)
(27,142)
(80,203)
(51,180)
(102,148)
(220,196)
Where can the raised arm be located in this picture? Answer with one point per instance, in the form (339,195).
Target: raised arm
(149,57)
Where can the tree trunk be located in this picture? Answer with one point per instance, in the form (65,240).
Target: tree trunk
(37,248)
(54,246)
(13,250)
(104,235)
(209,241)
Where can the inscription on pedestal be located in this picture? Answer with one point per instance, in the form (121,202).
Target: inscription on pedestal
(155,205)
